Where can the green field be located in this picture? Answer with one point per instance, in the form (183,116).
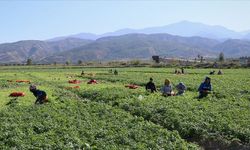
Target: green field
(109,116)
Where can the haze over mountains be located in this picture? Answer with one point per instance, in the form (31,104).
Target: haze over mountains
(183,28)
(184,39)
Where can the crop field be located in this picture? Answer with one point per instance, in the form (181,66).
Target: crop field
(108,115)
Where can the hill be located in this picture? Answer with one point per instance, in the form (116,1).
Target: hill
(137,46)
(234,48)
(247,36)
(67,44)
(19,52)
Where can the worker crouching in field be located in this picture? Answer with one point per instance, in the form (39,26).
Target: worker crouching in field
(167,89)
(181,87)
(205,88)
(220,72)
(151,86)
(41,96)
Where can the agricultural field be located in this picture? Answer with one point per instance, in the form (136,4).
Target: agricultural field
(108,115)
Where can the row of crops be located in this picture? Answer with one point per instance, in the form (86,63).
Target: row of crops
(109,116)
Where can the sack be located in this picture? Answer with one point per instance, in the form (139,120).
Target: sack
(17,94)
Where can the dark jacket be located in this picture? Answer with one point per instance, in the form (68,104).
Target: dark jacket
(205,87)
(151,86)
(40,96)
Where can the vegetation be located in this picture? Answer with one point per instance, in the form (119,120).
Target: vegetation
(109,116)
(221,57)
(29,61)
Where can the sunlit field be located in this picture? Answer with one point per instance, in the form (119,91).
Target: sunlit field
(107,115)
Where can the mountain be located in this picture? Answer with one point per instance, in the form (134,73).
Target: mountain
(19,52)
(234,48)
(67,44)
(186,29)
(183,28)
(247,36)
(124,47)
(138,46)
(85,36)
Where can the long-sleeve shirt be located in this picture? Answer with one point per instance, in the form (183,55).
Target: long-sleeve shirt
(181,88)
(166,89)
(151,86)
(205,87)
(40,96)
(39,93)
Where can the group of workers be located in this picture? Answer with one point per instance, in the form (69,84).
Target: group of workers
(167,89)
(213,72)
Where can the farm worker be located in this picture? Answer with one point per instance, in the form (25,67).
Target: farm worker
(151,86)
(41,96)
(182,70)
(167,89)
(116,72)
(212,72)
(181,87)
(220,72)
(82,73)
(205,88)
(175,71)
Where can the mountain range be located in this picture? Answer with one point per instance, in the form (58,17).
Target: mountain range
(183,28)
(184,39)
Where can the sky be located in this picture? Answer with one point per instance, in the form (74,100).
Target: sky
(45,19)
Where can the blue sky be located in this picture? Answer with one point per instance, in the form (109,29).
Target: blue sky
(37,19)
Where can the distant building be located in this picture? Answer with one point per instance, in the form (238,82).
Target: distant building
(169,60)
(244,60)
(156,59)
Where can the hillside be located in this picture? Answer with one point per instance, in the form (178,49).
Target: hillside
(247,36)
(19,52)
(234,48)
(67,44)
(136,46)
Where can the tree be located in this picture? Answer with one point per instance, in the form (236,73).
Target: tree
(156,59)
(201,58)
(221,57)
(29,61)
(79,62)
(67,63)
